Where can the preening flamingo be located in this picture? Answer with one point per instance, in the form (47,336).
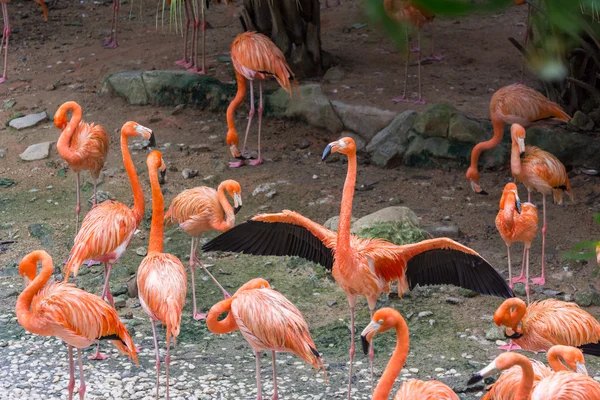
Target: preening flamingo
(363,267)
(546,323)
(517,222)
(200,210)
(6,32)
(511,104)
(109,227)
(254,56)
(268,321)
(82,145)
(70,314)
(560,358)
(383,320)
(537,169)
(161,277)
(556,386)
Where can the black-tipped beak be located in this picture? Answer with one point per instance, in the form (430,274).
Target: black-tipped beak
(237,209)
(474,379)
(152,140)
(365,344)
(241,157)
(521,154)
(515,335)
(163,174)
(326,152)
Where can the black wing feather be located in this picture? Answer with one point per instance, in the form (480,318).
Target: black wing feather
(272,239)
(592,349)
(454,267)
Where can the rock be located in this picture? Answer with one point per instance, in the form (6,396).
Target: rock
(453,300)
(102,197)
(141,251)
(200,148)
(583,299)
(435,121)
(178,109)
(364,120)
(127,84)
(451,231)
(415,155)
(189,173)
(571,148)
(41,231)
(120,290)
(388,146)
(271,193)
(120,301)
(305,144)
(424,314)
(310,104)
(36,152)
(467,293)
(394,215)
(463,129)
(332,223)
(595,297)
(28,120)
(582,121)
(132,287)
(334,74)
(494,334)
(519,289)
(331,303)
(220,166)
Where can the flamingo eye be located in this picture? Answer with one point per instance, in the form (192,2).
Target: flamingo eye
(380,321)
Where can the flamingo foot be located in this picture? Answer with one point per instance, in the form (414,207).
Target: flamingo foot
(258,161)
(415,49)
(518,279)
(200,316)
(2,80)
(197,71)
(539,281)
(236,164)
(91,263)
(405,99)
(434,57)
(182,62)
(137,348)
(98,356)
(510,346)
(110,44)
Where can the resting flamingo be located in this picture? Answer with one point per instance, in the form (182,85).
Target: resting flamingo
(556,386)
(109,227)
(254,56)
(6,32)
(546,323)
(517,222)
(537,169)
(515,103)
(268,321)
(82,145)
(200,210)
(70,314)
(560,358)
(161,277)
(363,267)
(383,320)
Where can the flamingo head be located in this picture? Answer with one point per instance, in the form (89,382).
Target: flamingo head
(517,134)
(473,178)
(502,362)
(233,141)
(384,319)
(571,356)
(134,129)
(510,190)
(235,192)
(509,314)
(256,283)
(345,145)
(156,162)
(60,119)
(28,265)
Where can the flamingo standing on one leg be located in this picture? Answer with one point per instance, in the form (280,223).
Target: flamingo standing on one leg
(362,266)
(82,145)
(109,227)
(513,104)
(200,210)
(268,321)
(111,42)
(517,222)
(538,170)
(383,320)
(6,32)
(75,316)
(254,56)
(161,277)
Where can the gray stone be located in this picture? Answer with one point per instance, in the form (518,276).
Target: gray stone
(141,251)
(582,121)
(127,84)
(309,104)
(120,301)
(435,121)
(364,120)
(35,152)
(450,231)
(466,130)
(132,287)
(571,148)
(334,74)
(388,146)
(189,173)
(453,300)
(583,299)
(28,120)
(467,293)
(519,289)
(494,334)
(415,154)
(395,215)
(41,231)
(332,223)
(200,148)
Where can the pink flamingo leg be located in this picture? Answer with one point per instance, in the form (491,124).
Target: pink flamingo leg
(352,301)
(78,207)
(250,115)
(184,60)
(167,362)
(259,160)
(432,56)
(372,351)
(111,42)
(71,385)
(81,377)
(157,356)
(98,356)
(4,41)
(258,382)
(510,346)
(510,280)
(542,279)
(404,98)
(527,275)
(106,294)
(528,195)
(521,278)
(197,316)
(226,294)
(275,391)
(95,192)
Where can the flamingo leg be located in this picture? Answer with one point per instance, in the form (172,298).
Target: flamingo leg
(372,349)
(203,27)
(81,389)
(4,41)
(197,316)
(432,56)
(111,42)
(510,346)
(193,65)
(542,279)
(521,278)
(527,273)
(526,40)
(239,163)
(71,385)
(167,362)
(420,100)
(259,160)
(186,7)
(510,281)
(404,98)
(258,382)
(106,295)
(157,356)
(352,301)
(78,206)
(528,195)
(226,294)
(97,355)
(95,192)
(275,392)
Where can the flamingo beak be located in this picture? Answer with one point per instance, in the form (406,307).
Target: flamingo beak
(237,203)
(326,152)
(367,335)
(152,140)
(518,202)
(163,174)
(487,371)
(477,189)
(521,143)
(236,153)
(580,368)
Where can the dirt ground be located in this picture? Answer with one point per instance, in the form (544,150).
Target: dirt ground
(61,60)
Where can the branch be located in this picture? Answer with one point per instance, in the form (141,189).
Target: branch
(593,91)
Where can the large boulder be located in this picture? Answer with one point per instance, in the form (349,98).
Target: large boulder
(571,148)
(128,85)
(435,121)
(388,146)
(364,120)
(393,215)
(333,222)
(467,130)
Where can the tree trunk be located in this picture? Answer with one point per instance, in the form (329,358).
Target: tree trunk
(295,27)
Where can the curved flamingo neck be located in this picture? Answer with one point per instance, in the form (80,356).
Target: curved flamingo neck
(508,211)
(23,306)
(232,136)
(520,309)
(63,146)
(158,214)
(489,144)
(229,221)
(526,384)
(343,241)
(394,366)
(227,324)
(555,355)
(136,188)
(515,159)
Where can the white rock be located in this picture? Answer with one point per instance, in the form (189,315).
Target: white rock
(28,120)
(36,152)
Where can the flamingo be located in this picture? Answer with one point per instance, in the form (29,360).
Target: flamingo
(200,210)
(514,103)
(254,56)
(111,42)
(82,145)
(556,386)
(383,320)
(109,227)
(161,277)
(507,384)
(362,266)
(538,170)
(268,321)
(6,32)
(75,316)
(546,323)
(517,222)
